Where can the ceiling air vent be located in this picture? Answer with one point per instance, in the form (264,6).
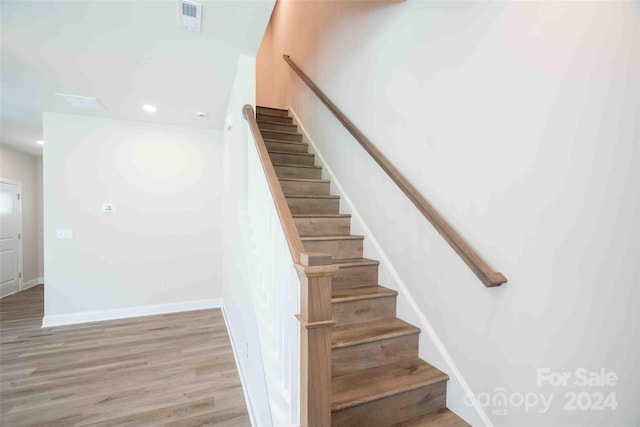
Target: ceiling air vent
(189,15)
(84,102)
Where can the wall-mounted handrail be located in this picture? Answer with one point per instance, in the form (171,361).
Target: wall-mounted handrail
(478,265)
(288,225)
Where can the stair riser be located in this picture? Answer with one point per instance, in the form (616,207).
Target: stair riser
(354,277)
(440,418)
(294,172)
(274,126)
(270,112)
(267,134)
(364,310)
(289,148)
(336,248)
(313,206)
(305,188)
(291,159)
(393,409)
(279,119)
(370,355)
(323,226)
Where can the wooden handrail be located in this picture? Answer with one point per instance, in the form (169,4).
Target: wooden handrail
(478,265)
(284,213)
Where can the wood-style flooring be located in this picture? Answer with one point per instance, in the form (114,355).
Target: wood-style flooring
(174,370)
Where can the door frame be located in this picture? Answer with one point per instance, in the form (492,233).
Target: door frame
(18,184)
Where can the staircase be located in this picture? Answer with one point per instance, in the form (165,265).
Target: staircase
(377,377)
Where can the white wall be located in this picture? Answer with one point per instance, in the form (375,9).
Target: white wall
(162,247)
(238,257)
(519,121)
(27,169)
(40,218)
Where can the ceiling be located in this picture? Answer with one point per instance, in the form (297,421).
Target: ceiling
(126,54)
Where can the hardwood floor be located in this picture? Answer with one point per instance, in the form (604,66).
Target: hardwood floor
(174,370)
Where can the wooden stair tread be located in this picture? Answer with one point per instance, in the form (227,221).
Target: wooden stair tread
(354,262)
(321,215)
(271,108)
(440,418)
(310,196)
(289,165)
(284,132)
(355,388)
(267,116)
(283,141)
(304,180)
(273,112)
(296,165)
(290,153)
(362,292)
(365,332)
(337,237)
(275,123)
(280,141)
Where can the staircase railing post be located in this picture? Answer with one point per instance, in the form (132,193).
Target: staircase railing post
(315,272)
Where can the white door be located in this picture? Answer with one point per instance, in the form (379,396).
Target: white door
(9,237)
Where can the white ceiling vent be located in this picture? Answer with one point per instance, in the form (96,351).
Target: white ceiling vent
(189,15)
(84,102)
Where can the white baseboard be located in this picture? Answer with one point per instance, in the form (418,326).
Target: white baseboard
(32,282)
(247,399)
(123,313)
(24,286)
(454,372)
(8,293)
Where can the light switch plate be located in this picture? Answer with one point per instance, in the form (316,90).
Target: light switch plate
(64,234)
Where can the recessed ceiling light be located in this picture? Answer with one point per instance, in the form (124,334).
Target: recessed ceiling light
(149,108)
(40,142)
(201,114)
